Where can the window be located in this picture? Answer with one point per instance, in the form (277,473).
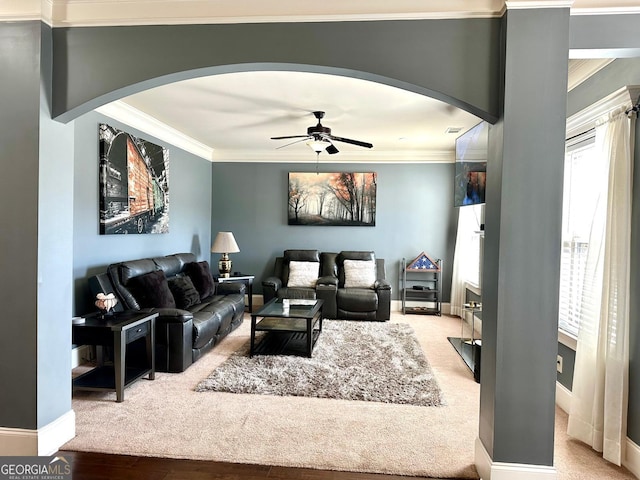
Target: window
(579,203)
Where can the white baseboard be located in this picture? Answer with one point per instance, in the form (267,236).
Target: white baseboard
(632,458)
(631,455)
(563,397)
(79,354)
(41,442)
(490,470)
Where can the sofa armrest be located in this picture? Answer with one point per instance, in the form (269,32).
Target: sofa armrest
(174,339)
(328,293)
(173,315)
(272,282)
(382,285)
(270,287)
(328,280)
(229,288)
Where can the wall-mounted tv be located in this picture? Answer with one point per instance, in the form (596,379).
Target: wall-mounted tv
(471,166)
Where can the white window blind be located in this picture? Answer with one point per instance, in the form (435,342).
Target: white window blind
(579,204)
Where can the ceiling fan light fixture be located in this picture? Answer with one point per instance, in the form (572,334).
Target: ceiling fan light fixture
(318,145)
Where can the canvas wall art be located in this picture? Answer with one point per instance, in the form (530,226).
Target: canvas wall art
(345,199)
(134,184)
(471,166)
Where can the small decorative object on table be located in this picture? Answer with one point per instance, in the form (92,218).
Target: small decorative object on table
(106,302)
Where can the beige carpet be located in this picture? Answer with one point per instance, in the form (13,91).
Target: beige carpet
(167,418)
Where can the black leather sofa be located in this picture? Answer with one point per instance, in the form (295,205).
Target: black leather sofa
(195,313)
(341,300)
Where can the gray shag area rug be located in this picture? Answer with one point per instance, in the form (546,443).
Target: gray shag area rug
(368,361)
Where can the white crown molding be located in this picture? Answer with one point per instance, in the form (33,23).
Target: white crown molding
(131,116)
(21,10)
(83,13)
(143,12)
(585,118)
(363,156)
(606,11)
(528,4)
(125,113)
(581,69)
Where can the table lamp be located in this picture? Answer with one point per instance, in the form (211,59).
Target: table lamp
(225,244)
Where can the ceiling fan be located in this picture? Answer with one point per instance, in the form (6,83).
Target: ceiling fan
(319,138)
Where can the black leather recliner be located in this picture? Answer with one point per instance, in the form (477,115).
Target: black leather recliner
(340,301)
(363,303)
(277,285)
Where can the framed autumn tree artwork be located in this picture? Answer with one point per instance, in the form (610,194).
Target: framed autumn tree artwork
(330,199)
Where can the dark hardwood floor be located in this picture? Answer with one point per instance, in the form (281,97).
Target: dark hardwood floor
(100,466)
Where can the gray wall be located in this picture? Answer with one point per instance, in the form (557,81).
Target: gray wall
(523,216)
(19,136)
(189,211)
(415,213)
(35,236)
(398,53)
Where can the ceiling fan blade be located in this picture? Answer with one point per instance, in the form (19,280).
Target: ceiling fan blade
(331,149)
(353,142)
(289,136)
(295,141)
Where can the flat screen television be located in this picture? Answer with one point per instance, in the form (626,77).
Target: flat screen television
(471,166)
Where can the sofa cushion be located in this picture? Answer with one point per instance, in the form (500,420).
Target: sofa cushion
(357,300)
(200,275)
(359,273)
(303,274)
(184,292)
(151,290)
(205,327)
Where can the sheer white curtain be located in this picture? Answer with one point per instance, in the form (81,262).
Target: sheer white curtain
(599,393)
(468,224)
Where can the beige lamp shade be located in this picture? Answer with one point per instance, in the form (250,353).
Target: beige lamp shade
(225,243)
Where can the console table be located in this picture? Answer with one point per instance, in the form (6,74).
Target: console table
(469,346)
(118,331)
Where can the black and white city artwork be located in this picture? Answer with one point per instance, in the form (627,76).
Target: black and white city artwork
(134,184)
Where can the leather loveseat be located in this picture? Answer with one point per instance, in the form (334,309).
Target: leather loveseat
(195,313)
(352,284)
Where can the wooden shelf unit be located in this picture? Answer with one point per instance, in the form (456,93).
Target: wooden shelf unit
(420,282)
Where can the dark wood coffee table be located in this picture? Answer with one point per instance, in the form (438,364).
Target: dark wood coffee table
(292,331)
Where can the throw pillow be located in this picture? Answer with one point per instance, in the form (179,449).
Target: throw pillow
(303,274)
(359,273)
(200,275)
(151,290)
(184,292)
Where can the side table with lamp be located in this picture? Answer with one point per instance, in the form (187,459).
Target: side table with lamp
(225,243)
